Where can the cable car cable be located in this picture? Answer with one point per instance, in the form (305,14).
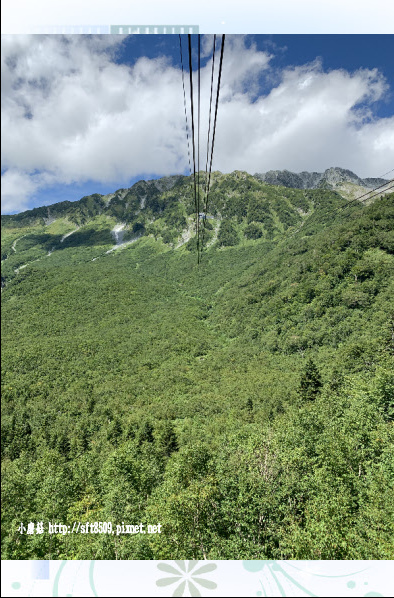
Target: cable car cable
(364,195)
(216,113)
(209,133)
(192,112)
(184,102)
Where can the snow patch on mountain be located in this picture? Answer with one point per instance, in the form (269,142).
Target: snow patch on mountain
(118,233)
(68,234)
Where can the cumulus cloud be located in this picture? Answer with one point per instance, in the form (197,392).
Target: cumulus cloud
(310,121)
(18,187)
(71,113)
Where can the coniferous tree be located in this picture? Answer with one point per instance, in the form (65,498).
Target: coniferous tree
(146,433)
(310,382)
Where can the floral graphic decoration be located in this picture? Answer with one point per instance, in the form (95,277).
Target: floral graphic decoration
(279,578)
(186,573)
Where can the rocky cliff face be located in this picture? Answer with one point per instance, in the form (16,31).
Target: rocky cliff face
(330,178)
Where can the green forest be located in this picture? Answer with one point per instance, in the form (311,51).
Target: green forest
(245,403)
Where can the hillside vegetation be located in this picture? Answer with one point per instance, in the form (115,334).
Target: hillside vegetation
(245,403)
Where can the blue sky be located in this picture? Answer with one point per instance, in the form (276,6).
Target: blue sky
(88,114)
(349,52)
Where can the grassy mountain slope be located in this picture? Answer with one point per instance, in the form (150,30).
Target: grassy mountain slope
(140,387)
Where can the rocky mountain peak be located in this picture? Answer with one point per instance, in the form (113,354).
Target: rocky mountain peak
(332,177)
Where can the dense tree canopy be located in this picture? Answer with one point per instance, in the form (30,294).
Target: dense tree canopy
(246,404)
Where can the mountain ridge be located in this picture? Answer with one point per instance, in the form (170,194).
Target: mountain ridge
(331,178)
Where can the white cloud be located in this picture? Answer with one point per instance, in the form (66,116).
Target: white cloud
(70,114)
(18,187)
(309,122)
